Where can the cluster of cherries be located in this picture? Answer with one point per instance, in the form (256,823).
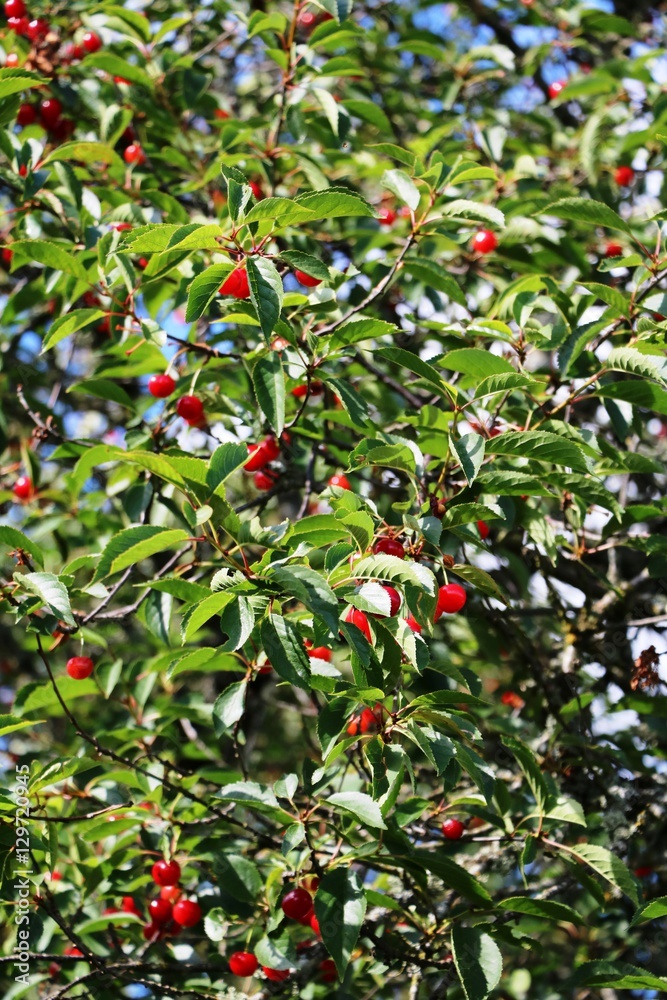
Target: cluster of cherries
(296,904)
(49,111)
(451,597)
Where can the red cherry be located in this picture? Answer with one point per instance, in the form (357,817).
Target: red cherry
(160,911)
(261,454)
(644,871)
(512,699)
(276,975)
(311,883)
(236,284)
(166,872)
(74,952)
(412,623)
(389,547)
(394,602)
(341,481)
(121,79)
(353,726)
(15,8)
(243,963)
(358,618)
(91,42)
(328,970)
(79,667)
(484,530)
(386,216)
(190,408)
(26,115)
(451,598)
(307,19)
(77,52)
(321,653)
(13,59)
(128,905)
(37,29)
(23,170)
(306,279)
(134,153)
(265,480)
(556,88)
(50,111)
(23,488)
(161,386)
(453,829)
(484,241)
(142,263)
(613,250)
(256,190)
(121,227)
(315,924)
(368,721)
(296,904)
(7,255)
(171,893)
(187,913)
(624,176)
(150,931)
(54,969)
(305,920)
(223,115)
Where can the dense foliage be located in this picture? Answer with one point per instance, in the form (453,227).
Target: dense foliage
(400,659)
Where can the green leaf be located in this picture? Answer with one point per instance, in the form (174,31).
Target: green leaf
(585,210)
(285,651)
(413,363)
(494,384)
(14,80)
(15,539)
(203,290)
(240,876)
(115,66)
(478,960)
(11,724)
(335,202)
(268,379)
(86,152)
(224,461)
(132,545)
(59,256)
(627,359)
(50,591)
(229,707)
(645,395)
(281,211)
(340,907)
(476,362)
(356,330)
(539,446)
(359,805)
(470,452)
(368,111)
(454,876)
(201,612)
(545,909)
(66,325)
(433,275)
(308,586)
(609,866)
(462,208)
(103,388)
(300,261)
(612,296)
(617,976)
(405,189)
(653,910)
(266,292)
